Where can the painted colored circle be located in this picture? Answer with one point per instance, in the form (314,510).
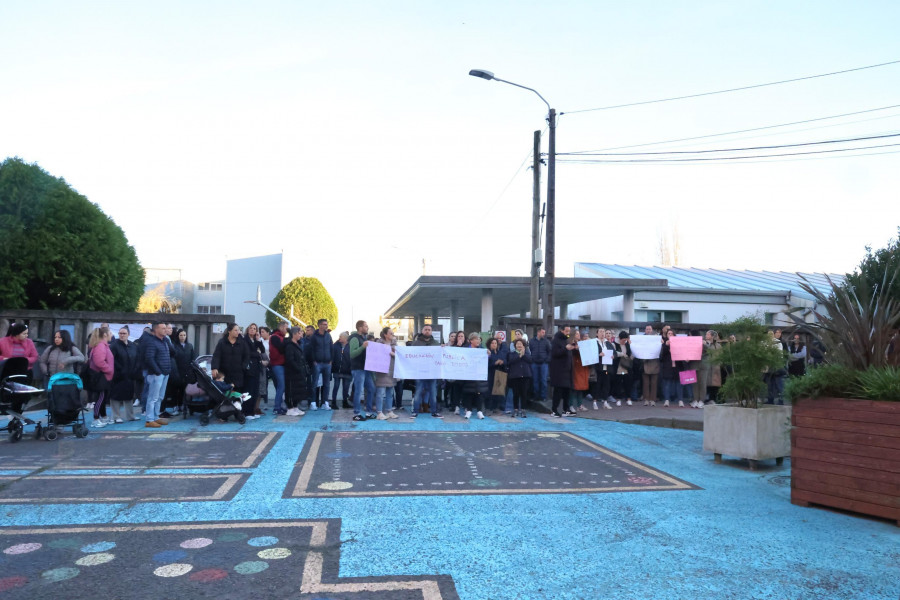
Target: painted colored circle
(23,548)
(173,570)
(586,453)
(66,543)
(11,583)
(274,553)
(548,435)
(196,543)
(98,547)
(232,536)
(251,567)
(168,556)
(60,574)
(335,486)
(207,575)
(92,560)
(266,540)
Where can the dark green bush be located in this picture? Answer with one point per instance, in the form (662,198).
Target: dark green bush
(879,383)
(824,381)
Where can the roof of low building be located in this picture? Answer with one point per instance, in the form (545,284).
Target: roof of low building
(691,278)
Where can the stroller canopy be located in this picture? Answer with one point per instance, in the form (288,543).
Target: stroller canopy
(65,379)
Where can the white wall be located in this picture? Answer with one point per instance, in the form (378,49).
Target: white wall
(693,311)
(242,276)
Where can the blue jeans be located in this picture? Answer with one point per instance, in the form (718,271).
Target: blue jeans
(278,376)
(671,389)
(426,391)
(362,378)
(323,369)
(340,381)
(539,374)
(384,399)
(156,387)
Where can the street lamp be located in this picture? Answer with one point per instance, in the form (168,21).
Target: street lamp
(549,258)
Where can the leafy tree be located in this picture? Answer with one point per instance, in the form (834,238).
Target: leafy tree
(309,298)
(752,354)
(59,251)
(870,274)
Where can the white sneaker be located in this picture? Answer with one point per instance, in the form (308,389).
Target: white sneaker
(628,402)
(666,403)
(98,423)
(382,417)
(480,415)
(312,406)
(326,406)
(618,403)
(701,405)
(694,404)
(468,413)
(292,412)
(135,418)
(391,415)
(606,405)
(646,403)
(117,421)
(137,402)
(653,403)
(595,406)
(456,411)
(681,404)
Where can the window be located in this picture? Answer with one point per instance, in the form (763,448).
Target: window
(770,318)
(209,287)
(209,310)
(667,316)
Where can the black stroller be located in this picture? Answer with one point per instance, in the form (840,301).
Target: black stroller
(64,406)
(15,394)
(216,402)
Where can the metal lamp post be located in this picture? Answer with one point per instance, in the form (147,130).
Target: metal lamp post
(550,256)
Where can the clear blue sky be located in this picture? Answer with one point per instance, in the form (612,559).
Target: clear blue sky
(350,135)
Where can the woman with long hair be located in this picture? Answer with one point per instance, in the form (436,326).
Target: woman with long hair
(61,356)
(384,382)
(184,356)
(255,349)
(102,367)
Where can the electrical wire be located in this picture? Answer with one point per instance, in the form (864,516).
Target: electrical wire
(701,137)
(737,89)
(838,141)
(511,179)
(659,160)
(743,162)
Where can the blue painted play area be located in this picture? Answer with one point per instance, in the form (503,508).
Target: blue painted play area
(645,514)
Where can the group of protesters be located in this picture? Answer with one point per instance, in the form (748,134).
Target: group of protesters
(311,369)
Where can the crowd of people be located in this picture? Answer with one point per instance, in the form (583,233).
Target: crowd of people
(311,370)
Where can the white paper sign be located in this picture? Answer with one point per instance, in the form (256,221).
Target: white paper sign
(378,358)
(608,355)
(646,347)
(590,352)
(434,362)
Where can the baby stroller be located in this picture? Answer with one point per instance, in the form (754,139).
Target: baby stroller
(217,402)
(64,406)
(15,393)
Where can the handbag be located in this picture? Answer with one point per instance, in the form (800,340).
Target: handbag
(84,372)
(687,377)
(626,362)
(99,383)
(499,388)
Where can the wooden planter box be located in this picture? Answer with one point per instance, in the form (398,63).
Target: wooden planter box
(846,454)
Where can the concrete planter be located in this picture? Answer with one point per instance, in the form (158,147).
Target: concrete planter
(752,433)
(846,455)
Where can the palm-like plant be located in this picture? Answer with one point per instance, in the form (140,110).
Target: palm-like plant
(854,326)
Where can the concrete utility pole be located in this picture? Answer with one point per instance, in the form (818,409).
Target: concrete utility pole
(550,259)
(536,229)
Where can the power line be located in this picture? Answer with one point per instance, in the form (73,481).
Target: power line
(660,160)
(838,141)
(737,89)
(701,137)
(743,162)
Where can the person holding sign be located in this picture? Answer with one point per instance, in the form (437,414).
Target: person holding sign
(474,392)
(497,376)
(426,389)
(623,368)
(561,371)
(669,370)
(361,377)
(385,381)
(519,371)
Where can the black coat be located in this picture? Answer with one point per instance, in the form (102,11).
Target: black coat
(124,357)
(296,372)
(184,356)
(519,366)
(340,359)
(560,361)
(666,369)
(231,359)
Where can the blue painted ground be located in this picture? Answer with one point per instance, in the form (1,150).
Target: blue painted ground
(738,537)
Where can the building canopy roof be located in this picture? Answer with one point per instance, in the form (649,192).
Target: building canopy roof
(689,278)
(510,294)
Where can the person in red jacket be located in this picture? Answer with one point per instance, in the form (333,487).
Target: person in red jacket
(276,361)
(16,343)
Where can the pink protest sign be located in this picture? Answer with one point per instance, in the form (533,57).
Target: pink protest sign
(686,347)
